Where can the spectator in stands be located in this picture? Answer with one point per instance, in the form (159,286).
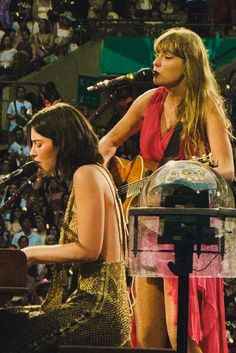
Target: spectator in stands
(18,149)
(58,6)
(110,17)
(144,8)
(19,110)
(63,30)
(40,104)
(132,12)
(5,167)
(25,44)
(54,230)
(50,240)
(5,239)
(23,242)
(41,227)
(109,12)
(51,95)
(41,8)
(7,53)
(95,7)
(54,195)
(32,204)
(25,222)
(43,42)
(13,225)
(166,8)
(15,36)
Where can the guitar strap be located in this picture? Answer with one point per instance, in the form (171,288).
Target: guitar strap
(172,148)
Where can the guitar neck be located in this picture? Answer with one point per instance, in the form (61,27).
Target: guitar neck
(133,188)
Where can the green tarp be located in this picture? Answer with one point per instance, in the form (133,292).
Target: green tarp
(121,55)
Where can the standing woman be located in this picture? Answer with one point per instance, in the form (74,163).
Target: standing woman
(92,235)
(188,94)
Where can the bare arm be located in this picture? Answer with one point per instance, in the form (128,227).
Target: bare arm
(90,203)
(219,142)
(126,127)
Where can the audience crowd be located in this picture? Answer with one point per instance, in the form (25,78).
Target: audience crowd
(32,216)
(38,32)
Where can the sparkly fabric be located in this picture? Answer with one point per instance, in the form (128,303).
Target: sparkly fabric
(97,313)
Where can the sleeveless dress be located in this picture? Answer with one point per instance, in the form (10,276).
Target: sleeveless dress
(97,313)
(206,320)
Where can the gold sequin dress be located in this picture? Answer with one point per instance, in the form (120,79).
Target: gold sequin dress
(97,313)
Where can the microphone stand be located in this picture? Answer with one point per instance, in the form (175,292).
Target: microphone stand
(14,196)
(104,106)
(183,250)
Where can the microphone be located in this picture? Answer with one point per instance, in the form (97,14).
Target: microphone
(25,170)
(141,75)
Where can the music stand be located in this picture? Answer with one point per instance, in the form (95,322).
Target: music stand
(187,240)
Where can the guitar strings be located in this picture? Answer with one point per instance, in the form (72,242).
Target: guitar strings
(124,188)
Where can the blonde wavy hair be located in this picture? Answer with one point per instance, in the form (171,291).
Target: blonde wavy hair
(201,87)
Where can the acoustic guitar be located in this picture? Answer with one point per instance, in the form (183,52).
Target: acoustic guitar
(129,178)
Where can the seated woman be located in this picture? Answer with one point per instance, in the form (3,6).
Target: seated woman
(7,53)
(63,30)
(93,236)
(41,8)
(13,225)
(43,41)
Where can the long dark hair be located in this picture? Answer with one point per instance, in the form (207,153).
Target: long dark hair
(71,133)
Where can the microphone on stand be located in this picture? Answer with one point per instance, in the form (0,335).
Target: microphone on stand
(25,170)
(141,75)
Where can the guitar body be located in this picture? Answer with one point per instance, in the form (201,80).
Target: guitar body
(126,172)
(130,176)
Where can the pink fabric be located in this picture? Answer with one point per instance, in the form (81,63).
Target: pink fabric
(206,295)
(152,144)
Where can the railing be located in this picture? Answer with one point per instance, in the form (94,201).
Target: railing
(94,28)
